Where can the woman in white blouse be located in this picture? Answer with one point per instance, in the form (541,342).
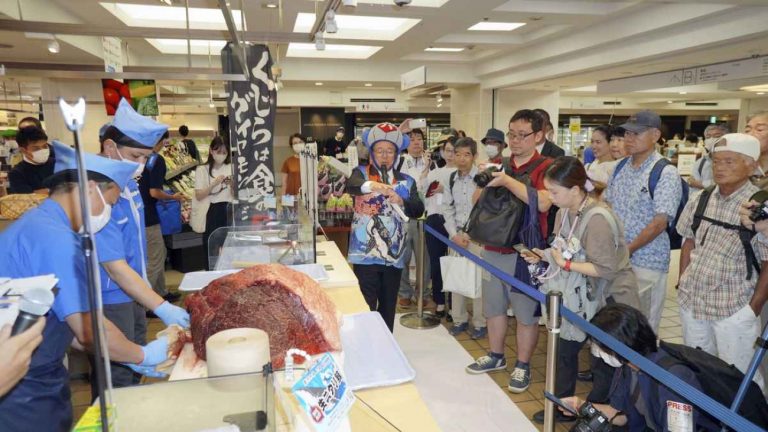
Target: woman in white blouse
(601,169)
(213,182)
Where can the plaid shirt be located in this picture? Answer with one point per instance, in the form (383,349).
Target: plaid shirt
(715,284)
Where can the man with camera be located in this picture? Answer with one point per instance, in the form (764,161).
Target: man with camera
(722,288)
(637,401)
(526,168)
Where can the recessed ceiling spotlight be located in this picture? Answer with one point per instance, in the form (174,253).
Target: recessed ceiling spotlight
(212,105)
(319,41)
(669,102)
(330,22)
(683,92)
(318,83)
(270,5)
(54,47)
(371,85)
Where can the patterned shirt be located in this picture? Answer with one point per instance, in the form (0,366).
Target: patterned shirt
(457,200)
(628,195)
(715,284)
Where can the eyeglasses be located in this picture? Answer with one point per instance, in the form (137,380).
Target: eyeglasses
(518,136)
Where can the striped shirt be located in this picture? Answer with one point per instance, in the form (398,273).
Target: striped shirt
(715,284)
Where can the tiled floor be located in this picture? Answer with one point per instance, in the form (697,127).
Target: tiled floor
(529,402)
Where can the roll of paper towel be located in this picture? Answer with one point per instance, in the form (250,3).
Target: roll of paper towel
(237,351)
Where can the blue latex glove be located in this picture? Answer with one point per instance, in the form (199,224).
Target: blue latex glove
(155,352)
(172,314)
(146,371)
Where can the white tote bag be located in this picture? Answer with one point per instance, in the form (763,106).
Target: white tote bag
(461,275)
(199,209)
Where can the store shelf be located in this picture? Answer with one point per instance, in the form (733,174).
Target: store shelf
(182,170)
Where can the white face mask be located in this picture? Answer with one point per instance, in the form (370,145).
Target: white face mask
(297,148)
(101,220)
(609,359)
(492,151)
(139,169)
(41,156)
(219,158)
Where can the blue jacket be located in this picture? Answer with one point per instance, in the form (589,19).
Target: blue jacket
(378,235)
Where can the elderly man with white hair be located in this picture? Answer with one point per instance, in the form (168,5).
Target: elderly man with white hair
(723,272)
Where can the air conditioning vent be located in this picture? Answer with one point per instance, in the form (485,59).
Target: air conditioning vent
(706,104)
(371,100)
(614,103)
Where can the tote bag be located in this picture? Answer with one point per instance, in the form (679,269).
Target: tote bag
(199,209)
(460,275)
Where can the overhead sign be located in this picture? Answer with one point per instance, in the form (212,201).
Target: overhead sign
(252,106)
(113,54)
(575,125)
(381,107)
(727,71)
(414,78)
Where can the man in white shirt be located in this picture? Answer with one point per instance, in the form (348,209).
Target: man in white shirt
(415,164)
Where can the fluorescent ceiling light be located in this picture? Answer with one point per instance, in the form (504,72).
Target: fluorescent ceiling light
(359,27)
(335,51)
(416,3)
(142,15)
(683,92)
(760,93)
(179,46)
(755,88)
(433,49)
(496,26)
(318,83)
(368,85)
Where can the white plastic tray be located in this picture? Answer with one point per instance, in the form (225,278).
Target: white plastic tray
(194,281)
(372,357)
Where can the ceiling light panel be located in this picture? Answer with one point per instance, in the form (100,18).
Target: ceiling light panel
(359,27)
(179,46)
(333,51)
(434,49)
(495,26)
(141,15)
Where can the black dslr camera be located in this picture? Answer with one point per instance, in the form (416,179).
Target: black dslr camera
(760,211)
(484,177)
(591,420)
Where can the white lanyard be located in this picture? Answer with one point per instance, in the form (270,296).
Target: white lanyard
(570,236)
(135,211)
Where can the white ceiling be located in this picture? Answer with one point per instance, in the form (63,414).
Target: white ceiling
(565,44)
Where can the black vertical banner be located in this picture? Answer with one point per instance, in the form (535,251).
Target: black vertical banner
(252,105)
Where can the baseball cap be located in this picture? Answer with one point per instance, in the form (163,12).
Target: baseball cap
(739,143)
(642,121)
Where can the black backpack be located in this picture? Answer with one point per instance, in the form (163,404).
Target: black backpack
(675,239)
(497,215)
(718,380)
(745,235)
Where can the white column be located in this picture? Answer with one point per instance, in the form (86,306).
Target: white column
(471,109)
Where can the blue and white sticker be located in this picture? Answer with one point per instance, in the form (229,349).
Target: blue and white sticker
(324,395)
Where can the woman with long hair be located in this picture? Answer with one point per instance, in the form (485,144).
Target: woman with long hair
(213,181)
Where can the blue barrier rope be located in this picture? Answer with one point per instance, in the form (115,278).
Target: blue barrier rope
(695,396)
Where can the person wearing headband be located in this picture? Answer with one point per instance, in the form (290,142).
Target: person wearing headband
(43,241)
(588,251)
(385,199)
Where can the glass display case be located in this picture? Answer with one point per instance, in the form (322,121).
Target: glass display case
(271,242)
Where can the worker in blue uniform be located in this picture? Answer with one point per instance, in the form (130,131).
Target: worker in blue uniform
(43,241)
(122,243)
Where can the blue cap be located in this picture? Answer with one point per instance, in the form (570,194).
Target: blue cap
(141,129)
(103,129)
(117,171)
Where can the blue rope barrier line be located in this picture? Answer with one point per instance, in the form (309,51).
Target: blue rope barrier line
(693,395)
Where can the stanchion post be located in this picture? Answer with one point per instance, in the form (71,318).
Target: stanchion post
(757,359)
(554,301)
(420,319)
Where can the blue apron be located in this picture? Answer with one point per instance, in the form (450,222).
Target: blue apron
(43,242)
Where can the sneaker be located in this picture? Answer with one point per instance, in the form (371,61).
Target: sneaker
(448,318)
(487,364)
(479,332)
(458,329)
(559,417)
(440,313)
(519,380)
